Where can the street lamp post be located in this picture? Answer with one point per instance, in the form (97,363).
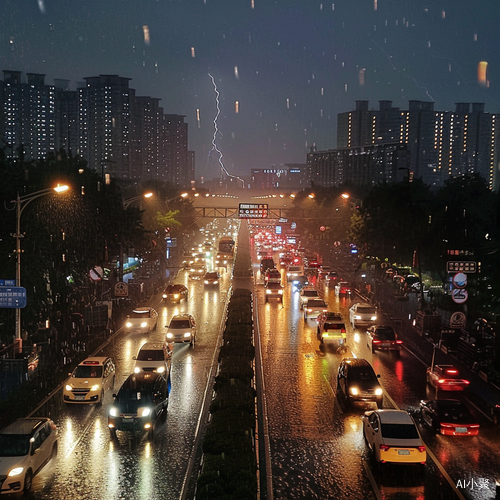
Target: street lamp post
(21,203)
(127,203)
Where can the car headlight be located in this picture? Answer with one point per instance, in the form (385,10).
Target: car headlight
(16,471)
(95,387)
(128,324)
(161,369)
(280,291)
(373,318)
(216,282)
(268,291)
(143,412)
(176,295)
(170,335)
(69,388)
(113,412)
(379,391)
(144,324)
(187,334)
(206,282)
(165,295)
(137,369)
(357,316)
(354,391)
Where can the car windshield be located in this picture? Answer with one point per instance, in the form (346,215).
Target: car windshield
(211,276)
(150,355)
(399,431)
(310,293)
(14,445)
(87,371)
(454,412)
(366,310)
(385,334)
(333,326)
(140,314)
(315,303)
(130,399)
(364,374)
(179,323)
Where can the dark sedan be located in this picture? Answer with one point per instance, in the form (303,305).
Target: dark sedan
(449,417)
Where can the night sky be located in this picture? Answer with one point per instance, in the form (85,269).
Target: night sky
(284,68)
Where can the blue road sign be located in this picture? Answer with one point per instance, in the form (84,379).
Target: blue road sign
(12,297)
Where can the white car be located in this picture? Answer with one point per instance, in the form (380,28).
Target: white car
(393,437)
(26,446)
(306,294)
(154,357)
(142,319)
(182,328)
(362,313)
(314,307)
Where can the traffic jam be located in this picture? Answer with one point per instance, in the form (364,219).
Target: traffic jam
(416,423)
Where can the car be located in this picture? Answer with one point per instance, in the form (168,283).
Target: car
(211,278)
(294,272)
(137,406)
(182,328)
(383,338)
(446,378)
(274,290)
(449,417)
(306,294)
(331,277)
(323,271)
(272,276)
(90,380)
(154,357)
(141,319)
(266,263)
(299,282)
(356,381)
(175,292)
(222,259)
(331,329)
(362,313)
(393,437)
(197,270)
(26,446)
(342,288)
(313,308)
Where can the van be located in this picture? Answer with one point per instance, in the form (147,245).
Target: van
(140,402)
(154,357)
(356,381)
(90,380)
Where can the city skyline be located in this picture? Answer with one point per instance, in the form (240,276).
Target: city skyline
(284,69)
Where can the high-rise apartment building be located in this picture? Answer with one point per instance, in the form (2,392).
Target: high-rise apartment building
(441,144)
(103,121)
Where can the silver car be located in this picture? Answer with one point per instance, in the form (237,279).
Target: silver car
(182,328)
(362,313)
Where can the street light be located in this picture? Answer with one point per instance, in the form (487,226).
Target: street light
(126,203)
(21,203)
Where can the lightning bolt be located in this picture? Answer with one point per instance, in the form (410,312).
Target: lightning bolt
(214,138)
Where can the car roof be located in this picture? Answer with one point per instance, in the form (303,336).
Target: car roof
(24,426)
(142,378)
(394,417)
(356,362)
(143,309)
(182,316)
(94,360)
(363,304)
(152,346)
(175,285)
(315,302)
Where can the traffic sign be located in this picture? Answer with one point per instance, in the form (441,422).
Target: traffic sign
(459,295)
(12,297)
(461,266)
(253,211)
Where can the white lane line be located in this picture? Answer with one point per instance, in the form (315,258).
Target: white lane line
(372,481)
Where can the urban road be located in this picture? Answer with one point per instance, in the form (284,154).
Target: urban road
(315,445)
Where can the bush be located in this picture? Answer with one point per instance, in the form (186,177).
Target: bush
(238,396)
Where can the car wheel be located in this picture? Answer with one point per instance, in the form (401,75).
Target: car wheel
(28,480)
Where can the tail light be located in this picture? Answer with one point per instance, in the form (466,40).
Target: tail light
(441,381)
(452,372)
(399,341)
(342,330)
(421,449)
(376,341)
(384,447)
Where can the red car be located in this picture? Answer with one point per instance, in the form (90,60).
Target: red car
(383,338)
(446,378)
(449,417)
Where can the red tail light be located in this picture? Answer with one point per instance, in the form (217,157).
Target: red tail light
(452,372)
(421,449)
(399,341)
(384,447)
(376,341)
(342,330)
